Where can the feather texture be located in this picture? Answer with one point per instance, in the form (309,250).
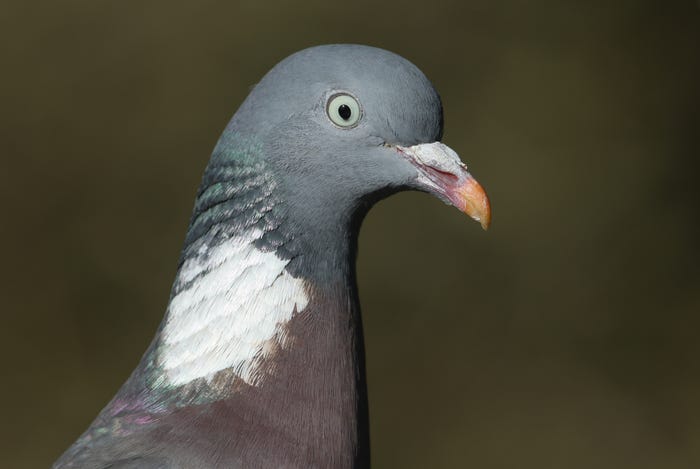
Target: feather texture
(240,300)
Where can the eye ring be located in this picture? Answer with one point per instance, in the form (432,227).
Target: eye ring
(344,110)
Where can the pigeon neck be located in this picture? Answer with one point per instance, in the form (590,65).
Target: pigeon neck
(264,316)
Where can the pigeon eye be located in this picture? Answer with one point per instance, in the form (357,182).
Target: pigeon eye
(343,110)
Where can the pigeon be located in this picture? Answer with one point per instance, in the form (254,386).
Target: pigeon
(259,360)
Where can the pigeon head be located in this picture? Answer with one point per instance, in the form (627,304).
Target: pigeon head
(345,125)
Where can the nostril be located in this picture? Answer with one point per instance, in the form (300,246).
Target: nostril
(442,174)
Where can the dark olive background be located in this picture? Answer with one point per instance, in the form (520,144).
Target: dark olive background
(565,337)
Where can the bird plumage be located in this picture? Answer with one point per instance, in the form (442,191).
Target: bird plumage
(259,361)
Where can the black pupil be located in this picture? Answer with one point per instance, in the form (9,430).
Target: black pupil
(345,111)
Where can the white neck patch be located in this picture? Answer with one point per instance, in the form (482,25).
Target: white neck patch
(227,316)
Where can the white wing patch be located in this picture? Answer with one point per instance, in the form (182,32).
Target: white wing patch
(238,301)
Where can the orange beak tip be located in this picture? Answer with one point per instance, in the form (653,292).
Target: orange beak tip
(476,202)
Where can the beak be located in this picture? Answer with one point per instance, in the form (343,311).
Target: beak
(442,173)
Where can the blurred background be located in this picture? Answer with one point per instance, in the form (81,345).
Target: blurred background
(565,337)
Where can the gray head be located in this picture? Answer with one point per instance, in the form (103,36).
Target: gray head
(341,121)
(341,126)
